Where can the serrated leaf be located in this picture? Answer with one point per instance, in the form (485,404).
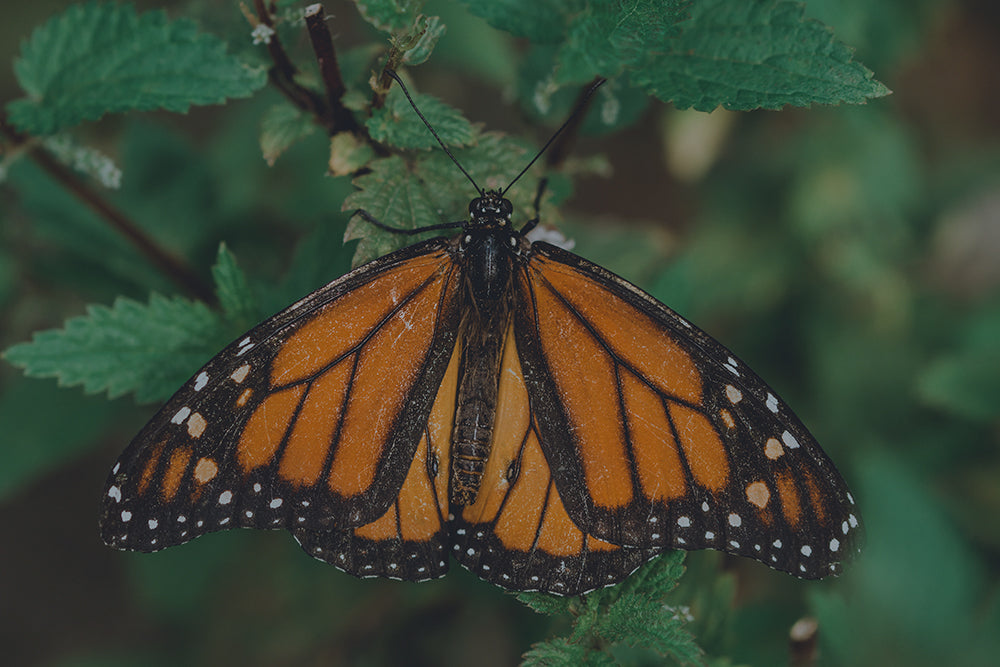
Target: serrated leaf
(348,154)
(430,30)
(393,195)
(95,59)
(561,652)
(282,126)
(541,21)
(130,347)
(431,190)
(608,37)
(543,603)
(235,296)
(389,15)
(398,125)
(748,54)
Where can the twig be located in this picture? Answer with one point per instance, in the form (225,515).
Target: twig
(326,56)
(282,73)
(173,267)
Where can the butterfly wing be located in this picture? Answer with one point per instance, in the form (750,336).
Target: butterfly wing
(409,541)
(656,436)
(518,534)
(312,420)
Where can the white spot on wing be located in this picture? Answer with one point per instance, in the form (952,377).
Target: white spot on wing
(225,497)
(201,381)
(115,492)
(789,440)
(181,415)
(772,403)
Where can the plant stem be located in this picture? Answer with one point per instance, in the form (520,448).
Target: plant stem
(171,266)
(322,43)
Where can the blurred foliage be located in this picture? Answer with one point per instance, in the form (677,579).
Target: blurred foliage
(847,253)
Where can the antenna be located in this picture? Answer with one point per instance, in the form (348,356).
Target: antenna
(580,106)
(447,152)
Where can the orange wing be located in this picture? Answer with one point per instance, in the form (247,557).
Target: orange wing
(518,534)
(657,437)
(317,418)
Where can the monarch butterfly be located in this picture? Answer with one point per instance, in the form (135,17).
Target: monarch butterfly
(547,423)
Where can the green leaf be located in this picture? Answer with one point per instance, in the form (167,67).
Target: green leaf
(237,300)
(430,30)
(747,54)
(398,125)
(431,190)
(389,15)
(607,37)
(104,58)
(348,154)
(131,347)
(282,126)
(393,195)
(541,21)
(633,613)
(561,652)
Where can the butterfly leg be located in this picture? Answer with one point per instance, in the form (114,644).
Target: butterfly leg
(531,224)
(400,230)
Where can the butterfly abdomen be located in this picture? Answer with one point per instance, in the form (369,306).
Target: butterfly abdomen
(482,339)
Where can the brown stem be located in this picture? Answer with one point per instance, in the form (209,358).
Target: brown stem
(282,72)
(173,267)
(322,43)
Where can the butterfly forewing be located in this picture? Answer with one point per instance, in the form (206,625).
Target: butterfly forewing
(660,437)
(313,418)
(410,540)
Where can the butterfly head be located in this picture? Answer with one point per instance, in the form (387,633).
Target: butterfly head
(491,210)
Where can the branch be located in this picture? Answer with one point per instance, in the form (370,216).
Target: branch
(282,73)
(342,119)
(173,267)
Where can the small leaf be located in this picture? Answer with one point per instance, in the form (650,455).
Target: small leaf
(130,347)
(748,54)
(348,154)
(282,126)
(237,300)
(104,58)
(393,195)
(389,15)
(431,30)
(561,652)
(397,124)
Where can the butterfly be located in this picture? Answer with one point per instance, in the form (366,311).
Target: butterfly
(503,402)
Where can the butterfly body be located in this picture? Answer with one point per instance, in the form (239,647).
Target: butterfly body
(545,422)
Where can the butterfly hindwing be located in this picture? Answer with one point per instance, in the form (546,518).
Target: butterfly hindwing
(517,534)
(659,437)
(312,419)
